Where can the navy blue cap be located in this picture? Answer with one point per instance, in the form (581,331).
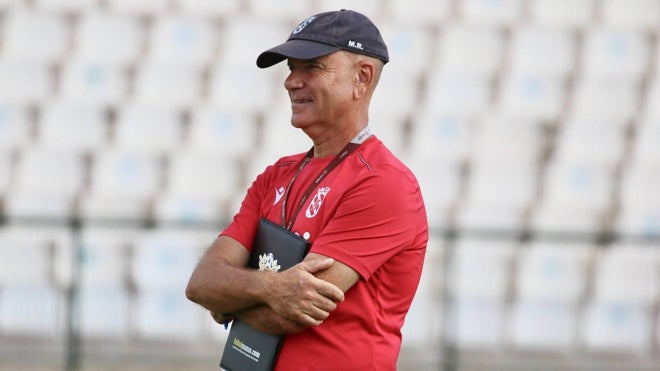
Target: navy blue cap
(328,32)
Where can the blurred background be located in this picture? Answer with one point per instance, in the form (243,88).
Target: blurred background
(130,130)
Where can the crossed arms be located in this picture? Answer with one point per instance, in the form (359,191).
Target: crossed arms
(275,303)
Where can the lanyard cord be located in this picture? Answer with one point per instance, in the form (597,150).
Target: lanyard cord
(347,150)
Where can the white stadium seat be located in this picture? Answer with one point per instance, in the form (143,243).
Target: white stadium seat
(15,127)
(32,311)
(167,85)
(544,51)
(66,6)
(222,131)
(94,84)
(442,136)
(612,53)
(457,94)
(410,48)
(594,139)
(424,12)
(497,13)
(617,328)
(189,42)
(471,49)
(205,8)
(562,13)
(24,82)
(103,312)
(533,96)
(109,38)
(167,315)
(59,120)
(291,11)
(545,326)
(148,129)
(36,37)
(130,7)
(605,98)
(634,14)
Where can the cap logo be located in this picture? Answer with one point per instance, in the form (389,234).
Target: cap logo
(303,24)
(355,45)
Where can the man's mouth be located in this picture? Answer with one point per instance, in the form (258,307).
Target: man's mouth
(301,101)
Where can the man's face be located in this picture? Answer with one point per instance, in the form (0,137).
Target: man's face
(321,90)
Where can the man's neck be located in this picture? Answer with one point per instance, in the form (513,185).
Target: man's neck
(334,143)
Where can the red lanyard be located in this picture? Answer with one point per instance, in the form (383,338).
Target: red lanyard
(347,150)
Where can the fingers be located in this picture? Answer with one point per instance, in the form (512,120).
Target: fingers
(316,265)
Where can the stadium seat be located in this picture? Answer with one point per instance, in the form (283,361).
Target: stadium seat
(543,51)
(103,258)
(562,13)
(639,214)
(280,138)
(15,128)
(109,38)
(471,49)
(202,177)
(410,48)
(371,7)
(599,140)
(611,53)
(481,269)
(617,327)
(423,325)
(223,132)
(418,12)
(579,184)
(184,41)
(104,312)
(496,13)
(539,325)
(135,8)
(390,127)
(477,323)
(635,14)
(533,96)
(243,38)
(290,11)
(397,95)
(66,6)
(122,185)
(508,138)
(205,8)
(93,84)
(33,310)
(6,168)
(497,195)
(440,182)
(60,120)
(605,99)
(24,83)
(164,259)
(46,184)
(167,315)
(553,272)
(148,129)
(167,85)
(242,88)
(457,94)
(628,273)
(442,136)
(20,250)
(651,109)
(39,37)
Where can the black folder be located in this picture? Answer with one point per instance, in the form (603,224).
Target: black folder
(274,248)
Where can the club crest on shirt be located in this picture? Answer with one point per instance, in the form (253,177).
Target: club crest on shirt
(316,202)
(267,262)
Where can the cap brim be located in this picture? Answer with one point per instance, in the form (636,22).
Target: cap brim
(298,49)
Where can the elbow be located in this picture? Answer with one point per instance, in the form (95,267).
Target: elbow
(193,290)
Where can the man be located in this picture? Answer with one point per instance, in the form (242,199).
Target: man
(343,307)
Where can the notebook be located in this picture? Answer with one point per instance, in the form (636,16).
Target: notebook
(274,248)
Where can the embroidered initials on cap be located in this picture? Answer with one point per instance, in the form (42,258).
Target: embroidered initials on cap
(355,45)
(303,24)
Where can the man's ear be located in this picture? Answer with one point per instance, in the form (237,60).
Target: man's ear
(364,76)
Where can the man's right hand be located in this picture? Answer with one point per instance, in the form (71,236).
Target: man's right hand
(296,294)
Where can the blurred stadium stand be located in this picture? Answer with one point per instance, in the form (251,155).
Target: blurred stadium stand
(129,131)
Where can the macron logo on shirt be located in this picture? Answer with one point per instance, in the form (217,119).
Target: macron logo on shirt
(279,192)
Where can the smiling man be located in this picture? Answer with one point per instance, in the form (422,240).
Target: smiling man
(358,206)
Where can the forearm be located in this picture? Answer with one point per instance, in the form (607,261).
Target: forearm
(264,319)
(221,284)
